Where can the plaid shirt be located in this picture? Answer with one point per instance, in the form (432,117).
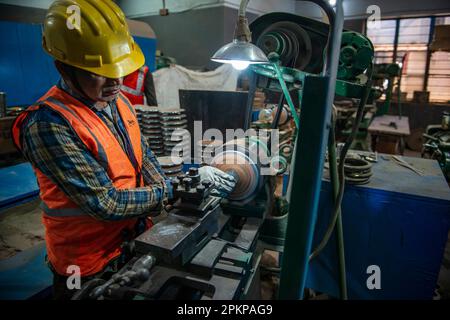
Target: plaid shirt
(50,144)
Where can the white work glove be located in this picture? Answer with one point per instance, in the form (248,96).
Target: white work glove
(224,183)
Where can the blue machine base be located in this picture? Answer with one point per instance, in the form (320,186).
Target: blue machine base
(399,222)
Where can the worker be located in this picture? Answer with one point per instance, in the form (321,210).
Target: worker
(99,181)
(139,84)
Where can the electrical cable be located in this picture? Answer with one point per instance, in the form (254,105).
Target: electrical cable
(341,169)
(335,188)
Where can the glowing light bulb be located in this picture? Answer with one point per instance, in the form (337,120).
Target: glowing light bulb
(332,2)
(240,64)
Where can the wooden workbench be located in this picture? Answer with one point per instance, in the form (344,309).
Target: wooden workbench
(388,133)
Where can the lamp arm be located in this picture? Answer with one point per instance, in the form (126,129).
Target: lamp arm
(243,8)
(242,31)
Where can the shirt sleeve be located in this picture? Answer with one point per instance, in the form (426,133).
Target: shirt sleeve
(152,172)
(58,153)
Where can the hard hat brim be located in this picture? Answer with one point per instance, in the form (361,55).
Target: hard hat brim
(118,69)
(121,68)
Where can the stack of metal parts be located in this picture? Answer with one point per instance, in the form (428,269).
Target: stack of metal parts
(357,170)
(149,121)
(171,166)
(172,123)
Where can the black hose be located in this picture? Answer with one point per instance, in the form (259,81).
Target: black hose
(331,17)
(341,172)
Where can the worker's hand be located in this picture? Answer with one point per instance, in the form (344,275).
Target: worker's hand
(223,182)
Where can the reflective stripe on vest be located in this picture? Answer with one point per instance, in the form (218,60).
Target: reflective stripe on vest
(138,91)
(125,100)
(66,212)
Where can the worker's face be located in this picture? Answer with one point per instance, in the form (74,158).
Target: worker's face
(98,88)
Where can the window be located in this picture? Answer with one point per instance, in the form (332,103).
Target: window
(439,73)
(383,40)
(413,40)
(408,40)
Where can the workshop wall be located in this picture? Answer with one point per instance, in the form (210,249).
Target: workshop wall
(192,37)
(357,25)
(26,71)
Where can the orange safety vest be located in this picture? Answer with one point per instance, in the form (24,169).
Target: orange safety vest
(72,236)
(133,85)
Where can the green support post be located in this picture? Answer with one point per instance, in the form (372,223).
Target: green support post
(304,186)
(307,167)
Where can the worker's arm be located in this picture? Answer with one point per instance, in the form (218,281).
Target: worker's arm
(52,147)
(149,90)
(152,172)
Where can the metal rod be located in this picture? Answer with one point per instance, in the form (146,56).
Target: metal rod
(397,32)
(287,96)
(276,119)
(307,169)
(429,52)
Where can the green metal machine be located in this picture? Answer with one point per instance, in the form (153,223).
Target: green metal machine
(314,61)
(389,72)
(437,145)
(163,61)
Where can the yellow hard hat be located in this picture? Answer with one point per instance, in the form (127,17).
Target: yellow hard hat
(91,35)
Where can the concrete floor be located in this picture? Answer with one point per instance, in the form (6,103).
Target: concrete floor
(20,228)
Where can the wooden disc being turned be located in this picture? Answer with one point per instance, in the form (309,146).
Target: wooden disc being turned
(241,166)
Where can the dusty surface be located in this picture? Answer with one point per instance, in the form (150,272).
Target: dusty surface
(20,228)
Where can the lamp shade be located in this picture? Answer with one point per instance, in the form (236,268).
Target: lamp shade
(240,51)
